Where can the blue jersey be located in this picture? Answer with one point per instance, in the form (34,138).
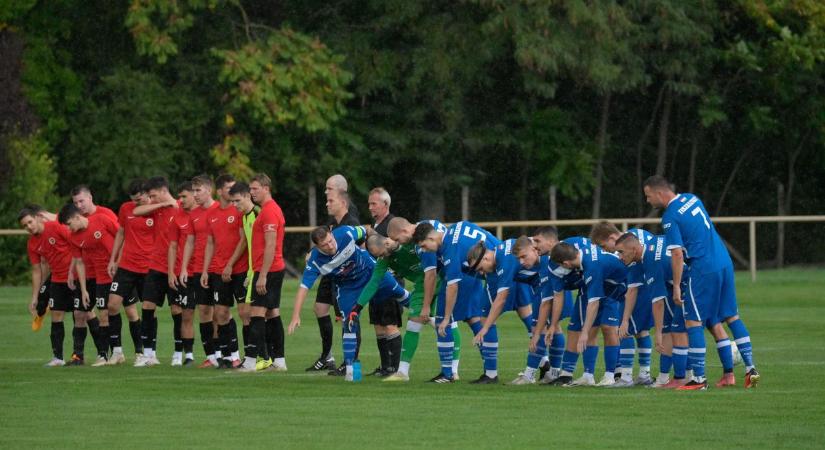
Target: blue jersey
(456,243)
(635,271)
(687,226)
(658,272)
(605,275)
(508,270)
(539,276)
(429,261)
(566,279)
(350,263)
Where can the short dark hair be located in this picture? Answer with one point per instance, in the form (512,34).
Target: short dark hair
(223,179)
(422,230)
(630,237)
(318,233)
(658,182)
(262,179)
(239,188)
(202,180)
(185,186)
(563,252)
(79,189)
(602,231)
(29,209)
(68,211)
(157,183)
(475,255)
(137,186)
(547,231)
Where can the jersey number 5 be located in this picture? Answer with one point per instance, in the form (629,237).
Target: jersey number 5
(473,234)
(697,211)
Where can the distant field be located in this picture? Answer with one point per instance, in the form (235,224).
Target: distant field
(165,407)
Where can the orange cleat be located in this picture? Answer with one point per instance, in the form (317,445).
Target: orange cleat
(727,380)
(693,385)
(206,364)
(751,378)
(673,384)
(37,322)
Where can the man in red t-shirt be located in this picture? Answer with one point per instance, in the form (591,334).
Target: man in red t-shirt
(91,247)
(82,198)
(49,251)
(266,330)
(128,266)
(162,210)
(182,306)
(204,296)
(227,262)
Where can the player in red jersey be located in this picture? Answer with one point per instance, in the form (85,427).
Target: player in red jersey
(182,306)
(227,262)
(91,246)
(82,198)
(266,330)
(128,266)
(49,251)
(162,209)
(203,296)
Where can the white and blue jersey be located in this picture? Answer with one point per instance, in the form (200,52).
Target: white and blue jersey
(605,281)
(522,285)
(642,316)
(540,273)
(429,260)
(658,279)
(566,279)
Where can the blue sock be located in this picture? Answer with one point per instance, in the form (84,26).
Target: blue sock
(680,357)
(489,351)
(611,357)
(476,327)
(446,347)
(627,348)
(743,342)
(725,355)
(557,350)
(349,344)
(665,364)
(528,323)
(644,347)
(591,353)
(534,358)
(568,361)
(696,351)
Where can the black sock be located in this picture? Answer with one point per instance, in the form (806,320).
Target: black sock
(115,328)
(146,327)
(357,342)
(79,340)
(394,351)
(58,332)
(233,336)
(277,344)
(245,332)
(257,337)
(188,345)
(95,332)
(325,326)
(206,338)
(270,337)
(154,331)
(103,347)
(134,330)
(381,340)
(223,340)
(177,319)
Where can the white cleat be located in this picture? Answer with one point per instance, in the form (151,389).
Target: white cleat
(278,366)
(550,376)
(100,362)
(581,381)
(622,383)
(522,380)
(152,361)
(116,358)
(248,366)
(141,361)
(177,360)
(55,362)
(607,381)
(397,376)
(643,380)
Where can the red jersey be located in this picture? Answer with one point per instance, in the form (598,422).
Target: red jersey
(198,218)
(163,217)
(225,225)
(138,238)
(270,219)
(53,246)
(106,212)
(94,246)
(179,229)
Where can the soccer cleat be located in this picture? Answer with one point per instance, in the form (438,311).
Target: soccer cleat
(75,360)
(140,360)
(643,380)
(694,385)
(581,381)
(378,372)
(188,362)
(728,379)
(622,383)
(751,378)
(607,381)
(675,383)
(117,358)
(248,366)
(348,377)
(561,380)
(262,364)
(660,383)
(55,362)
(206,364)
(548,377)
(322,364)
(440,379)
(522,380)
(277,367)
(100,361)
(339,372)
(543,369)
(397,376)
(37,322)
(177,360)
(152,361)
(235,364)
(484,379)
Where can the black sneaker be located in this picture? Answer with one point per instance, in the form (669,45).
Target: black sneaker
(560,381)
(543,369)
(617,376)
(440,379)
(322,364)
(378,372)
(224,364)
(188,362)
(484,379)
(339,372)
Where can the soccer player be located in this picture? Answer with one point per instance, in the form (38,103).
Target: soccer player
(242,199)
(385,316)
(203,296)
(266,330)
(604,279)
(462,295)
(128,266)
(692,239)
(91,242)
(635,311)
(227,263)
(337,254)
(162,209)
(182,305)
(669,320)
(49,251)
(82,198)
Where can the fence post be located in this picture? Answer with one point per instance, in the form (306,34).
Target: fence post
(500,232)
(752,239)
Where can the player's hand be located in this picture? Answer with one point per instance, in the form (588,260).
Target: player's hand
(548,338)
(260,285)
(247,280)
(479,338)
(677,295)
(111,269)
(623,330)
(660,346)
(33,307)
(293,325)
(442,327)
(70,281)
(534,342)
(205,280)
(425,314)
(173,202)
(184,277)
(226,276)
(173,281)
(582,343)
(352,320)
(84,297)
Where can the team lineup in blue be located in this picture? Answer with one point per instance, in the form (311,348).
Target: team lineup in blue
(618,293)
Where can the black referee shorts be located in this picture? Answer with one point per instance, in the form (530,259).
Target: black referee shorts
(272,298)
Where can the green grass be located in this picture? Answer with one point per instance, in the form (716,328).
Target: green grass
(163,407)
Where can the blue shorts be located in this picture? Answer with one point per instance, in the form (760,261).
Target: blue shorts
(566,309)
(348,293)
(519,296)
(607,315)
(471,295)
(642,317)
(710,297)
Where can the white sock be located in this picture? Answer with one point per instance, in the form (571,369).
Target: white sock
(627,373)
(177,355)
(530,373)
(404,367)
(236,356)
(544,360)
(663,378)
(589,377)
(189,355)
(349,369)
(609,375)
(117,351)
(455,367)
(280,361)
(491,373)
(212,359)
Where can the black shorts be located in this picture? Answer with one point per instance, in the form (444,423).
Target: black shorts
(156,288)
(43,297)
(77,302)
(201,295)
(272,298)
(387,312)
(326,292)
(60,297)
(228,293)
(184,298)
(100,296)
(125,283)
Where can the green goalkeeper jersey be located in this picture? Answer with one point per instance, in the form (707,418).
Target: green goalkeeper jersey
(248,221)
(404,262)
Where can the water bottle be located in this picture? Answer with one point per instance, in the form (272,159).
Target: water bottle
(356,371)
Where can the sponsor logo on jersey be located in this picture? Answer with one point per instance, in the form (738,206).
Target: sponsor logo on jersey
(149,222)
(269,227)
(687,205)
(230,219)
(52,241)
(98,235)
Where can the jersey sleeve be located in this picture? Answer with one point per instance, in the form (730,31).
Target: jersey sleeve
(428,260)
(635,276)
(34,257)
(594,284)
(508,273)
(121,215)
(452,266)
(269,220)
(673,235)
(371,288)
(311,272)
(655,282)
(76,250)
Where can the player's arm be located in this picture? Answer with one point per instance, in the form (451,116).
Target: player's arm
(677,262)
(171,254)
(269,257)
(430,281)
(629,303)
(70,277)
(658,322)
(590,317)
(81,279)
(117,247)
(236,255)
(207,260)
(188,249)
(307,280)
(145,210)
(495,311)
(37,280)
(371,288)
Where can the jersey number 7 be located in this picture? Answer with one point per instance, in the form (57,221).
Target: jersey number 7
(698,211)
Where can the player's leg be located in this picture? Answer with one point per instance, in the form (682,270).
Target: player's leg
(524,302)
(324,299)
(257,358)
(222,293)
(570,358)
(79,313)
(42,305)
(274,323)
(412,335)
(723,348)
(729,311)
(608,321)
(642,320)
(155,287)
(701,301)
(60,302)
(205,301)
(100,297)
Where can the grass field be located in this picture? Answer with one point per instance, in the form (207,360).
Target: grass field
(165,407)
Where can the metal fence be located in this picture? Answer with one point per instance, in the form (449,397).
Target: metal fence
(624,223)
